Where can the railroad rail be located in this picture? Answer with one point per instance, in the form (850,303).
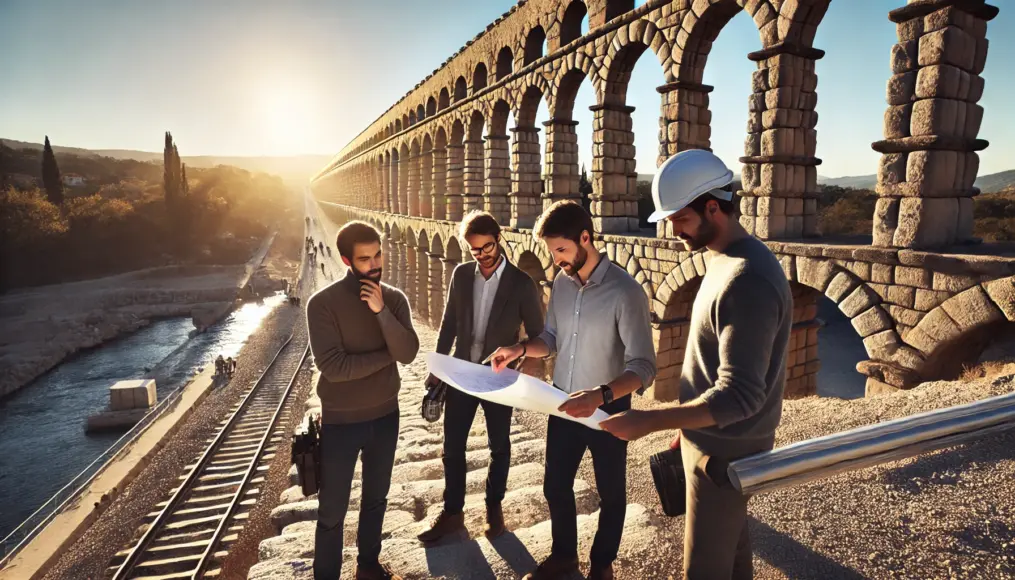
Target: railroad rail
(194,528)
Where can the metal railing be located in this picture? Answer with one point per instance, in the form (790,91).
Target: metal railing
(33,524)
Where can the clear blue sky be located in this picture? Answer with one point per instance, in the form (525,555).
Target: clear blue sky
(253,77)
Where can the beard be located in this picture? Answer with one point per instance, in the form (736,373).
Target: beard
(572,268)
(372,275)
(706,234)
(487,262)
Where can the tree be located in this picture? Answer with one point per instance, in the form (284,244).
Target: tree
(585,188)
(51,175)
(169,182)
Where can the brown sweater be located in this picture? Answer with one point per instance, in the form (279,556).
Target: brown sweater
(356,350)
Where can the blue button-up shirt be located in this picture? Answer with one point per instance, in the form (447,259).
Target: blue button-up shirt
(599,330)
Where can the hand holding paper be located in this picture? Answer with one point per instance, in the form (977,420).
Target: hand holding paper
(514,389)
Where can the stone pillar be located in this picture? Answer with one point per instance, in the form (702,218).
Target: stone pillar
(929,161)
(779,176)
(561,162)
(438,184)
(614,197)
(393,194)
(400,265)
(412,187)
(411,287)
(498,178)
(436,290)
(802,363)
(425,175)
(455,182)
(404,163)
(474,186)
(387,274)
(422,303)
(526,181)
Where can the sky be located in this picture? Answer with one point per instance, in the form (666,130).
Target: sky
(262,77)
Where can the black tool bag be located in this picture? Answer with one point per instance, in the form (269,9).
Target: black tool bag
(668,474)
(433,402)
(306,454)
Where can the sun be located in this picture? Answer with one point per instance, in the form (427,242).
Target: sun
(285,114)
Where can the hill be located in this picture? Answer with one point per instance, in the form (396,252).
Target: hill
(987,183)
(295,170)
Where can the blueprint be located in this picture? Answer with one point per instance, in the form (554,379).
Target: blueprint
(507,387)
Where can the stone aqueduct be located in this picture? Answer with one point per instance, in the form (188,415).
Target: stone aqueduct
(921,298)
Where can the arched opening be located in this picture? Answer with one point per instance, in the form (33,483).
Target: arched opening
(498,122)
(455,172)
(615,8)
(406,122)
(631,92)
(505,62)
(412,118)
(443,100)
(398,125)
(527,147)
(475,170)
(421,113)
(575,19)
(534,45)
(572,136)
(425,177)
(404,164)
(479,78)
(461,88)
(394,195)
(839,348)
(422,304)
(386,256)
(437,292)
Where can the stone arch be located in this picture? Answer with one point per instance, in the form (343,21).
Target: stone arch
(499,118)
(476,125)
(479,78)
(957,330)
(453,250)
(457,132)
(567,84)
(443,99)
(534,42)
(528,101)
(461,88)
(431,107)
(398,125)
(420,112)
(407,121)
(437,245)
(505,63)
(571,22)
(703,25)
(617,74)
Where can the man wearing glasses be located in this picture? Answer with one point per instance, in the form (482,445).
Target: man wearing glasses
(488,302)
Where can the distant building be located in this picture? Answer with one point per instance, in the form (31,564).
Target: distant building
(74,180)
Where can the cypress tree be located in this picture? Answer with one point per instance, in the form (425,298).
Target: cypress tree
(183,180)
(51,175)
(169,184)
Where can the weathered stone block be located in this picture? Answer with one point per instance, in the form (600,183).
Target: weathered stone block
(901,88)
(927,299)
(882,273)
(972,308)
(1002,293)
(840,286)
(905,55)
(950,45)
(898,119)
(902,295)
(814,272)
(882,345)
(872,320)
(942,81)
(886,221)
(937,117)
(926,222)
(951,282)
(892,168)
(938,325)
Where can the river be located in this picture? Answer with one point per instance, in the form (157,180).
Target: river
(43,444)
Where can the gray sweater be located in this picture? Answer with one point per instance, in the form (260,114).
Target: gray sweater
(735,358)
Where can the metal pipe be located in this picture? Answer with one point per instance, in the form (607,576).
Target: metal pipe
(871,445)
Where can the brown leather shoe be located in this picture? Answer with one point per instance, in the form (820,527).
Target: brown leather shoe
(553,568)
(601,572)
(443,525)
(379,572)
(494,521)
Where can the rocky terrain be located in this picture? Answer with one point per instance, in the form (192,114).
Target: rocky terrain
(949,514)
(39,327)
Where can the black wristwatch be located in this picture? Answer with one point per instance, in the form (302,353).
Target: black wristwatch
(607,394)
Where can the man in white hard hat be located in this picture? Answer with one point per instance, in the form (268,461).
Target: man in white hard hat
(734,366)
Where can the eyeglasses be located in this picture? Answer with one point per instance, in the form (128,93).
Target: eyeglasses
(486,249)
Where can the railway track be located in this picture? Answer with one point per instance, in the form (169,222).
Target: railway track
(191,533)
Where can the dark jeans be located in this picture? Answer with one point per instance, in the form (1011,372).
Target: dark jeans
(566,442)
(340,446)
(459,413)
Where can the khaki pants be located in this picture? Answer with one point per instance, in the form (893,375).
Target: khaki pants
(716,541)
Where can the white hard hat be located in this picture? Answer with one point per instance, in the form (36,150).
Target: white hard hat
(684,177)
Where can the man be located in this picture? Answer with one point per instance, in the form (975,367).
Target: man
(487,304)
(734,365)
(598,324)
(359,328)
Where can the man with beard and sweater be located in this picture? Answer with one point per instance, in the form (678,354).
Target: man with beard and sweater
(734,366)
(359,328)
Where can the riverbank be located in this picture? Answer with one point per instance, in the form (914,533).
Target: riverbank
(41,327)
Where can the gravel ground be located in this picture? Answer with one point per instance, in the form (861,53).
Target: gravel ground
(88,557)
